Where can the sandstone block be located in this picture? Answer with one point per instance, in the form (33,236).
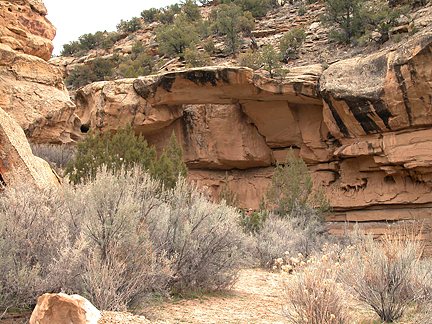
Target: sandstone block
(64,309)
(17,163)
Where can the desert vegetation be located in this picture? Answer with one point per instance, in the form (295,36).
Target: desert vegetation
(128,232)
(181,31)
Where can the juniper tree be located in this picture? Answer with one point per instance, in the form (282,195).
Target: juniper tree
(291,189)
(170,165)
(122,150)
(346,15)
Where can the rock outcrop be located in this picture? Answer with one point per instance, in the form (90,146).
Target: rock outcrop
(31,90)
(24,27)
(363,126)
(17,163)
(62,308)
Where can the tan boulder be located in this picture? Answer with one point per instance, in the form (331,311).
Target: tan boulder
(32,92)
(62,308)
(25,28)
(17,163)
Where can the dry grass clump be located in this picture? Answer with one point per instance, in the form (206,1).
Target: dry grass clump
(312,291)
(384,274)
(58,156)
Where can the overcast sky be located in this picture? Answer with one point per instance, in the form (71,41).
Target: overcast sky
(75,18)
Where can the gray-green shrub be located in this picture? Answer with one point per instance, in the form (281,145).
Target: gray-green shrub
(303,233)
(201,235)
(115,239)
(384,274)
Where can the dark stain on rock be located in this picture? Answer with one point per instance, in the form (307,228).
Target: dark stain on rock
(298,86)
(205,77)
(340,124)
(381,110)
(403,89)
(361,110)
(166,82)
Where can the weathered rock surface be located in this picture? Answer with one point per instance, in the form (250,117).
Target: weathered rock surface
(363,125)
(62,308)
(32,92)
(382,92)
(17,163)
(24,27)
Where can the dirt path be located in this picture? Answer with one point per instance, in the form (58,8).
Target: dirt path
(254,299)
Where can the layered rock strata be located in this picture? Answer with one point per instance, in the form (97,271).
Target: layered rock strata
(363,126)
(32,90)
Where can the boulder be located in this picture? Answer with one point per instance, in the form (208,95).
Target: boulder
(17,163)
(33,93)
(61,308)
(24,27)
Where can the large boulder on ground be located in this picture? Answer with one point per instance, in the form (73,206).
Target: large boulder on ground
(17,163)
(64,309)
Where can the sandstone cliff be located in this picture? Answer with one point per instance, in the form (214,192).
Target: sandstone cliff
(32,90)
(363,126)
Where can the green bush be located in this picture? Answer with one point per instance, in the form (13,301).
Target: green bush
(270,61)
(150,15)
(84,44)
(191,10)
(129,26)
(98,69)
(123,150)
(290,189)
(347,15)
(174,38)
(229,24)
(291,41)
(250,59)
(195,58)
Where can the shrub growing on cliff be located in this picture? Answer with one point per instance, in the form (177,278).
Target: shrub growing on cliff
(174,38)
(98,69)
(291,41)
(129,26)
(345,14)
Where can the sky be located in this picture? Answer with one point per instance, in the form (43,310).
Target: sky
(75,18)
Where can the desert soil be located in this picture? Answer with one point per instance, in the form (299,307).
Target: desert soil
(255,298)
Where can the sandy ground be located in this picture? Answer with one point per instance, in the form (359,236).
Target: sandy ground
(255,298)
